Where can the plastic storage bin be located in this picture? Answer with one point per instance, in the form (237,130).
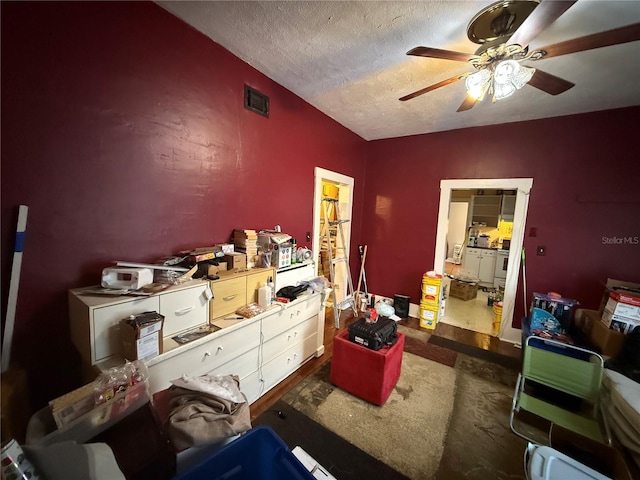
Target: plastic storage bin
(259,454)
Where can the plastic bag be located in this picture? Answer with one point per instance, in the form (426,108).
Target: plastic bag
(118,379)
(384,309)
(250,310)
(317,284)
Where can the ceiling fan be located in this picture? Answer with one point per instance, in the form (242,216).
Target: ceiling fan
(504,30)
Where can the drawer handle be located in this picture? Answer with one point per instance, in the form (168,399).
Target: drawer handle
(184,310)
(229,297)
(207,354)
(298,312)
(220,347)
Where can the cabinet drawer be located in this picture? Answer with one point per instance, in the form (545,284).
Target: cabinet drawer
(291,337)
(291,316)
(184,309)
(252,387)
(207,357)
(228,296)
(283,365)
(106,335)
(242,366)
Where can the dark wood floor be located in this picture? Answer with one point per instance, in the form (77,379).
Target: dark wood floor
(486,342)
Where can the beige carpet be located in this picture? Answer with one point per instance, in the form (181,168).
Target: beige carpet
(414,419)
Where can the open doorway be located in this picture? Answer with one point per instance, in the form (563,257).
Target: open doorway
(450,191)
(335,185)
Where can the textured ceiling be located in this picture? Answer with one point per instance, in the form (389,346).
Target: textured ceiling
(348,59)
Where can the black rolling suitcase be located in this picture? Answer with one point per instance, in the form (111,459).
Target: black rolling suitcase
(373,335)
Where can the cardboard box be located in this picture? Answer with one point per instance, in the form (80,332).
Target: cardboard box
(216,269)
(463,290)
(201,257)
(607,460)
(70,406)
(141,336)
(623,296)
(619,323)
(617,285)
(622,309)
(236,260)
(609,342)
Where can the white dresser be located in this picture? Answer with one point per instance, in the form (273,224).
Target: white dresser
(262,350)
(94,318)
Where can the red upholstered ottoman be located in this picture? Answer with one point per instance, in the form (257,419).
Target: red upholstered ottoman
(367,374)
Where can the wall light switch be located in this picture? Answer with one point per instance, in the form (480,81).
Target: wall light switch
(541,250)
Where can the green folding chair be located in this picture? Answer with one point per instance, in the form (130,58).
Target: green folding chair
(559,385)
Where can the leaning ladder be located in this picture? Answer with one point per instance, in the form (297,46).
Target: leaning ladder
(330,207)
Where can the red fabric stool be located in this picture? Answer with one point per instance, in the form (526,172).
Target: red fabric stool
(365,373)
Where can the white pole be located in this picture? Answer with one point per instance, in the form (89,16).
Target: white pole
(13,286)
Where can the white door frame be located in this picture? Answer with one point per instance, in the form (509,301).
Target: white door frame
(346,210)
(522,187)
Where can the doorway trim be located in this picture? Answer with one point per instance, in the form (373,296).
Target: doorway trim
(523,188)
(346,200)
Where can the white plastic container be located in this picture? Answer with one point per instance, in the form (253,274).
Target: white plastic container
(545,463)
(265,296)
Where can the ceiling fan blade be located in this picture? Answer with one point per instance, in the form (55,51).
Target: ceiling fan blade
(468,103)
(437,53)
(433,87)
(616,36)
(543,15)
(549,83)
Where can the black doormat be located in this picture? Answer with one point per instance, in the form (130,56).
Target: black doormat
(339,457)
(504,360)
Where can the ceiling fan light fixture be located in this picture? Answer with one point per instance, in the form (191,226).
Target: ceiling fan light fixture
(502,90)
(478,83)
(508,77)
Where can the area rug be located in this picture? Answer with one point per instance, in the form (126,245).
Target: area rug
(440,422)
(493,357)
(479,443)
(417,342)
(406,433)
(340,458)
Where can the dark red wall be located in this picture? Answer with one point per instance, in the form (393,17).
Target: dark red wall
(124,131)
(585,170)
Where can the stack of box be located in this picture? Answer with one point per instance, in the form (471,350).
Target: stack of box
(622,311)
(246,241)
(607,328)
(431,299)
